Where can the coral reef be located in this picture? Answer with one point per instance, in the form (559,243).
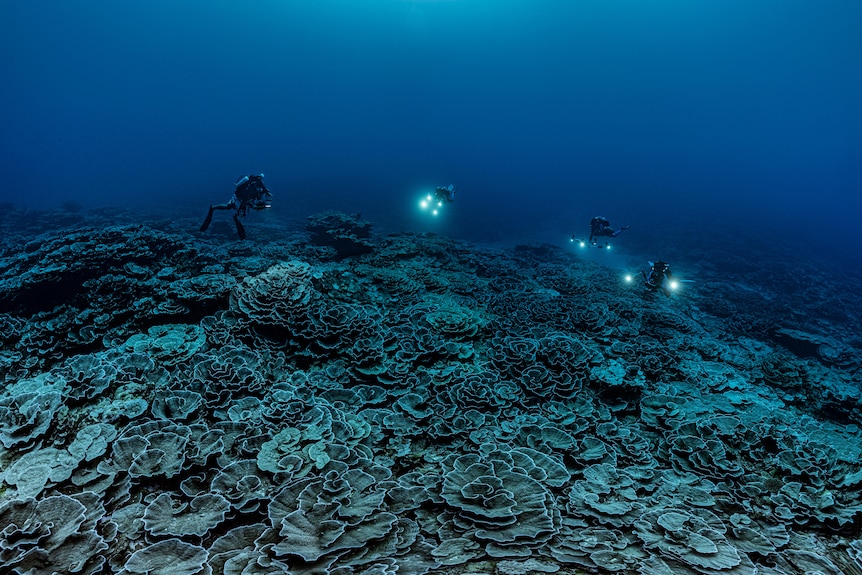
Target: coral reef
(347,234)
(410,404)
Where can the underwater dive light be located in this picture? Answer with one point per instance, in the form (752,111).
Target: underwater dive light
(431,204)
(425,202)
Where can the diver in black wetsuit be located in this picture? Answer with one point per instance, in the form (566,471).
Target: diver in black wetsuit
(601,227)
(659,277)
(249,192)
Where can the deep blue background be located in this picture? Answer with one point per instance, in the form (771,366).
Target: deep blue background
(543,112)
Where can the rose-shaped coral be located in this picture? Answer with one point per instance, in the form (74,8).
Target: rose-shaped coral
(497,501)
(168,344)
(278,297)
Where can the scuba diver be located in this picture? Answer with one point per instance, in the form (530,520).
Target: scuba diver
(249,192)
(659,277)
(600,226)
(433,202)
(445,193)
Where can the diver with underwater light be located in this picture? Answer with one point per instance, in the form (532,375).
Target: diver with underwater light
(250,192)
(660,277)
(435,200)
(599,227)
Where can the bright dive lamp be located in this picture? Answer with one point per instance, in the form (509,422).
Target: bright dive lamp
(430,203)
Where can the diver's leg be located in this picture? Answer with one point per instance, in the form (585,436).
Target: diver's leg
(209,217)
(240,229)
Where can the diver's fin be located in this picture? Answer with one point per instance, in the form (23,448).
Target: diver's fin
(240,229)
(207,221)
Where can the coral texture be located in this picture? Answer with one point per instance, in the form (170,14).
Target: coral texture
(410,404)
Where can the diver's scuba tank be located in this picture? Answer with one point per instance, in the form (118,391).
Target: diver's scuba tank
(241,181)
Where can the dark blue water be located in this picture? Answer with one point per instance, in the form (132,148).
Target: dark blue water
(544,113)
